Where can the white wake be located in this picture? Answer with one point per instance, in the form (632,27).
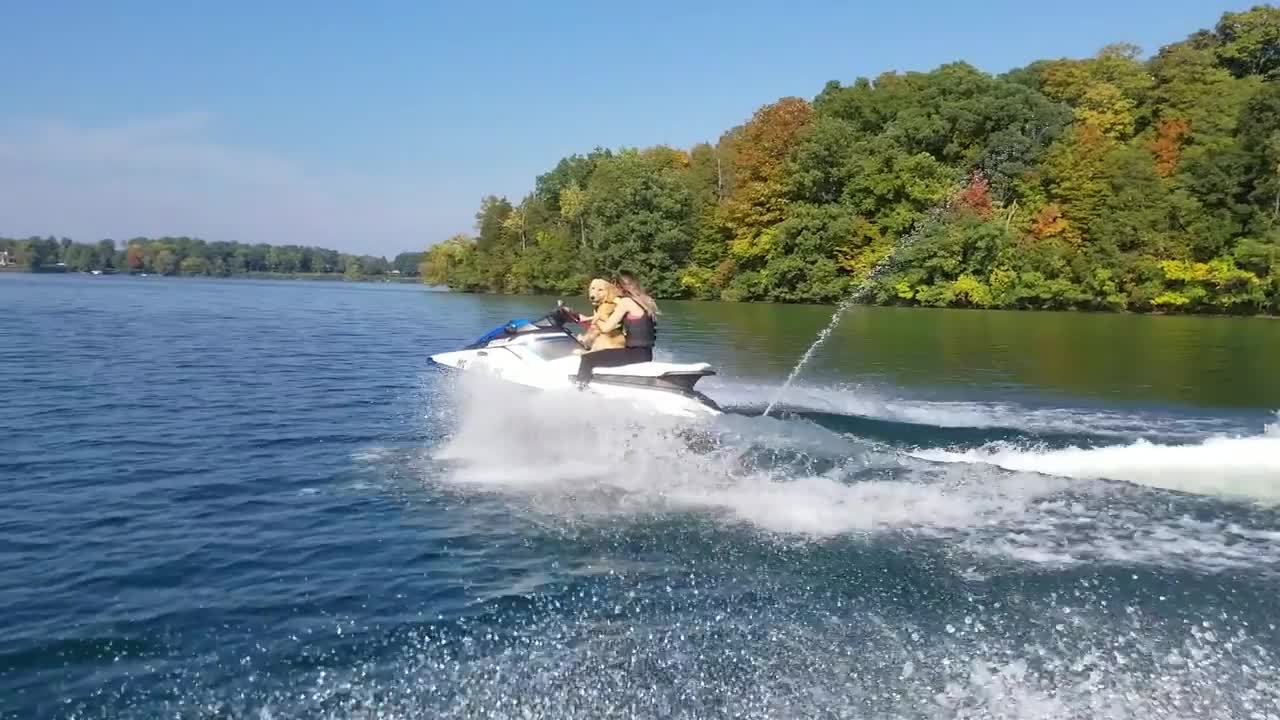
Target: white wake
(1230,467)
(877,404)
(571,458)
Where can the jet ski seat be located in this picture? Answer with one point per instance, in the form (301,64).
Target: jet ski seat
(657,369)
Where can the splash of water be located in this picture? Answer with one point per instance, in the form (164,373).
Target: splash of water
(568,462)
(804,359)
(860,293)
(1220,466)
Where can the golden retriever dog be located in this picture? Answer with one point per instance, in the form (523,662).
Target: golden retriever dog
(604,296)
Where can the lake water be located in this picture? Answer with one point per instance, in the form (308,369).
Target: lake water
(236,499)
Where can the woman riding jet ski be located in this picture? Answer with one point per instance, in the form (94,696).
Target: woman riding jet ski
(545,355)
(623,311)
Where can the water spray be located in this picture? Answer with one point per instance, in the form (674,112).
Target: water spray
(863,289)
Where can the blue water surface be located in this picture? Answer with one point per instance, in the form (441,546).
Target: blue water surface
(230,498)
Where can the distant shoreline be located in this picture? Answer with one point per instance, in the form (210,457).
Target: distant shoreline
(320,277)
(193,257)
(417,280)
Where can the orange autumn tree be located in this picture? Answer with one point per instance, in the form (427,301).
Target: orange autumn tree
(134,257)
(1095,174)
(1167,144)
(758,201)
(1049,222)
(976,196)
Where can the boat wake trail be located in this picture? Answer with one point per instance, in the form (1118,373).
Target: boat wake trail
(1213,456)
(572,458)
(1230,467)
(876,404)
(743,567)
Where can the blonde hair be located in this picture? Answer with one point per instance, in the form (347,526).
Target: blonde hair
(630,287)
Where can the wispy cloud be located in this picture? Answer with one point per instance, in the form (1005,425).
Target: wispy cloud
(167,175)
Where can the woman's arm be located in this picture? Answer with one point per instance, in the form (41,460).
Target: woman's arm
(593,331)
(611,323)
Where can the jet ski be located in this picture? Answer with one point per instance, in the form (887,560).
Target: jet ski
(543,354)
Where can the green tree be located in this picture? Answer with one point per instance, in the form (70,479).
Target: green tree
(194,266)
(407,263)
(573,207)
(641,219)
(1107,182)
(1249,42)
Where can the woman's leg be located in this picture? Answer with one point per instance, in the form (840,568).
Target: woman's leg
(612,357)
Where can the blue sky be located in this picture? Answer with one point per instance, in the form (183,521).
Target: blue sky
(378,126)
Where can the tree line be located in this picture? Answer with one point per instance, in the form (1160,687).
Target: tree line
(193,256)
(1110,182)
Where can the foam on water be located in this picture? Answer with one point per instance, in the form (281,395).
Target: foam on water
(1234,467)
(749,469)
(570,457)
(698,637)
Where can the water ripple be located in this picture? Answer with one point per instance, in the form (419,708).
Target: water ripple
(244,499)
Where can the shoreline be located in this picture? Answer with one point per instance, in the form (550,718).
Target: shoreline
(1077,311)
(313,277)
(336,277)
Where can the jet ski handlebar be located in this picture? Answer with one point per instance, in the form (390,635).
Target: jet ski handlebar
(563,315)
(560,317)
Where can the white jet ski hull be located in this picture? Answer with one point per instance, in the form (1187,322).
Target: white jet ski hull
(542,358)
